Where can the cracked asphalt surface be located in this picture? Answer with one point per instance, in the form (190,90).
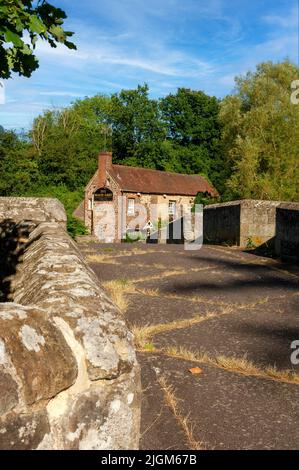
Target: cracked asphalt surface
(251,309)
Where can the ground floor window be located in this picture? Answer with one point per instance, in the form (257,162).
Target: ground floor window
(131,206)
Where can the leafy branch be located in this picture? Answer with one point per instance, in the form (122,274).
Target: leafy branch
(22,24)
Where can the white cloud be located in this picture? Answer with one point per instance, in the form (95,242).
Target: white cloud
(59,93)
(289,20)
(158,59)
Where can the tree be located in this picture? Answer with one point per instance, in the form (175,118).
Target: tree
(193,129)
(261,134)
(19,168)
(137,129)
(35,19)
(66,144)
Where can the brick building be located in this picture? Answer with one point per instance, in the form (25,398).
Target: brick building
(117,195)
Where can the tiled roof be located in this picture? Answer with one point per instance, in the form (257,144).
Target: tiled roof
(145,180)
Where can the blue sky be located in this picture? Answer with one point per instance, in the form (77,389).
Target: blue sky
(200,44)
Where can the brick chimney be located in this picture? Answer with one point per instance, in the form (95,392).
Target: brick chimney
(104,165)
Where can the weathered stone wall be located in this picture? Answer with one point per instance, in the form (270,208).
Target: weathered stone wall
(240,222)
(221,223)
(258,222)
(287,231)
(68,372)
(32,209)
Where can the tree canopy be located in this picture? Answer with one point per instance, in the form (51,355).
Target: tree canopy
(261,134)
(193,129)
(137,130)
(22,24)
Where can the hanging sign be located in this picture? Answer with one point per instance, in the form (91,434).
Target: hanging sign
(103,194)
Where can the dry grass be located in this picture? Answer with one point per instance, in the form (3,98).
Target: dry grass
(101,258)
(159,266)
(239,365)
(197,270)
(183,421)
(186,354)
(144,333)
(198,299)
(109,256)
(175,271)
(154,277)
(220,303)
(86,239)
(117,290)
(149,292)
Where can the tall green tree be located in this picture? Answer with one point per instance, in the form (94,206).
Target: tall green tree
(138,132)
(36,19)
(67,142)
(261,134)
(19,168)
(193,129)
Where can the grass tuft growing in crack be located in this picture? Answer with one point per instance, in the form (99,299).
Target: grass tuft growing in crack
(239,365)
(117,290)
(144,333)
(183,421)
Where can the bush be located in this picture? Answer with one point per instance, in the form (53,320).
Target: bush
(75,227)
(70,200)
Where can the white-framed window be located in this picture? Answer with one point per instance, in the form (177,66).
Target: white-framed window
(90,204)
(171,207)
(131,206)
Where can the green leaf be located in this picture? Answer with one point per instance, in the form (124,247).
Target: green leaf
(10,36)
(19,25)
(58,33)
(3,10)
(70,45)
(26,49)
(36,25)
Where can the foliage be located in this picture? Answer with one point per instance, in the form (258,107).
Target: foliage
(250,244)
(19,168)
(21,176)
(193,131)
(36,20)
(205,199)
(67,143)
(138,132)
(261,134)
(70,200)
(75,226)
(132,237)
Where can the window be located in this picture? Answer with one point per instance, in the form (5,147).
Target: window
(131,206)
(90,208)
(171,207)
